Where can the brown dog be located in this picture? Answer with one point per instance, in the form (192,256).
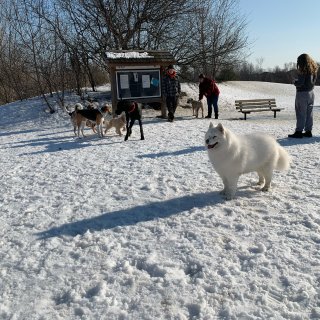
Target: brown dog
(118,123)
(196,106)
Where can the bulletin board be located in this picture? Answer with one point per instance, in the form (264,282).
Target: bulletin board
(138,84)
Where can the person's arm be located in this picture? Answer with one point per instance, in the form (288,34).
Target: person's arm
(200,92)
(179,87)
(300,82)
(164,87)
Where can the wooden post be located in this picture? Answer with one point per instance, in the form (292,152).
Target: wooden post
(113,89)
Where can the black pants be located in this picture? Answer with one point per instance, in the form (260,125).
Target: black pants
(171,106)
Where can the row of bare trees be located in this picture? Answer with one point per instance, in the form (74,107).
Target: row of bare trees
(49,46)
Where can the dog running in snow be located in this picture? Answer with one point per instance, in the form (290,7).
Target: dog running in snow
(118,123)
(233,155)
(133,112)
(196,106)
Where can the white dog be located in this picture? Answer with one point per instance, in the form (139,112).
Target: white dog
(118,123)
(233,155)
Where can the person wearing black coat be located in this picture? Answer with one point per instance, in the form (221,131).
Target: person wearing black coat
(171,90)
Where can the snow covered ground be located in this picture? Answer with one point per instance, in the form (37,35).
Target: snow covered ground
(105,229)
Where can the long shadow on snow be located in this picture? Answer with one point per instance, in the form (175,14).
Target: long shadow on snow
(10,133)
(132,216)
(173,153)
(287,142)
(60,145)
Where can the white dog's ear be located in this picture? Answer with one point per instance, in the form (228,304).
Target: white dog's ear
(220,128)
(210,125)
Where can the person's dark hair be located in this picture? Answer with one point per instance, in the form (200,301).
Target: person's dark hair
(170,66)
(201,75)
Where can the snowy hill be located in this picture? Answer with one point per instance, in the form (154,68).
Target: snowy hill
(105,229)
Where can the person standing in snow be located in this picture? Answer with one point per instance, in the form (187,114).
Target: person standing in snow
(209,89)
(171,90)
(307,75)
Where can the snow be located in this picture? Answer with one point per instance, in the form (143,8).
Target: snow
(105,229)
(128,55)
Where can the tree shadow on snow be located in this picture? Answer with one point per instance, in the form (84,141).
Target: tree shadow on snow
(132,216)
(10,133)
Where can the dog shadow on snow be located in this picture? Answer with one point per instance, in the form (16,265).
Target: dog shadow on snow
(135,215)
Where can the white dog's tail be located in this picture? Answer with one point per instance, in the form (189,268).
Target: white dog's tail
(283,160)
(78,106)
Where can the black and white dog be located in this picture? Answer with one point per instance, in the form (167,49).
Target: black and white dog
(133,112)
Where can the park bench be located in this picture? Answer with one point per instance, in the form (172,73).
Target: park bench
(257,105)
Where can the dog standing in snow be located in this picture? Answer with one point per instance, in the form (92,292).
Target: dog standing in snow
(118,123)
(232,155)
(92,117)
(196,106)
(133,112)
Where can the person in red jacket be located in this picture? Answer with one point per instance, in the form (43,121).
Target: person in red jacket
(209,89)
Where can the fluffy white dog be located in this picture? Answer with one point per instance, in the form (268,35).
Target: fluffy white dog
(232,156)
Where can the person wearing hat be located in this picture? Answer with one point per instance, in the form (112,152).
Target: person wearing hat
(209,89)
(171,90)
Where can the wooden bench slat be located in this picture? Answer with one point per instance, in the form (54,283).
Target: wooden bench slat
(253,100)
(257,107)
(259,103)
(258,110)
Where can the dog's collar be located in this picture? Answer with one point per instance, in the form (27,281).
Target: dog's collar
(132,107)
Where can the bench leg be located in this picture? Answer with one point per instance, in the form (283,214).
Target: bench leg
(245,116)
(275,114)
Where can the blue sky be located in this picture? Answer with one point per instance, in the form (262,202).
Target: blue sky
(282,29)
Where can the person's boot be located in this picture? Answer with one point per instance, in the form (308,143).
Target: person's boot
(297,134)
(208,116)
(216,115)
(307,134)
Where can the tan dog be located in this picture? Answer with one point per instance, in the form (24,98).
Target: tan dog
(196,106)
(95,116)
(118,123)
(72,115)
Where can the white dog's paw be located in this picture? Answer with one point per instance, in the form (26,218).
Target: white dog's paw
(265,188)
(223,192)
(229,195)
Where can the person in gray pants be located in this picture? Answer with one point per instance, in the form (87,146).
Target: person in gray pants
(307,76)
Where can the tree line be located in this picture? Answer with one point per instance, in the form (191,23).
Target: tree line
(50,46)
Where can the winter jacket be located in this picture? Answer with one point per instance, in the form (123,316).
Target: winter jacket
(208,88)
(171,86)
(305,82)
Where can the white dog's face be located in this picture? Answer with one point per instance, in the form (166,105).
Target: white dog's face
(215,136)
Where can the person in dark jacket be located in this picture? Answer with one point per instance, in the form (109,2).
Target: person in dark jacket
(171,89)
(209,89)
(307,75)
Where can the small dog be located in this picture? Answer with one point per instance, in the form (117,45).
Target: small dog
(95,116)
(196,106)
(232,156)
(118,123)
(133,112)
